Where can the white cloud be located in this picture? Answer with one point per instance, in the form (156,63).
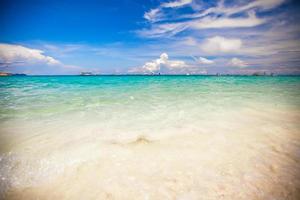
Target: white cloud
(153,15)
(213,17)
(23,59)
(225,22)
(189,41)
(261,5)
(175,4)
(155,65)
(220,44)
(176,64)
(157,14)
(235,62)
(160,63)
(163,30)
(203,60)
(16,53)
(208,22)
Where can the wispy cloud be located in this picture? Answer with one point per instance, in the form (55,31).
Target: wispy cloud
(214,17)
(158,14)
(153,15)
(225,22)
(235,8)
(175,4)
(163,30)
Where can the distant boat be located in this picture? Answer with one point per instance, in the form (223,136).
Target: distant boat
(86,74)
(256,74)
(262,74)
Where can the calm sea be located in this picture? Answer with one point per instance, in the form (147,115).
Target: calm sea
(54,129)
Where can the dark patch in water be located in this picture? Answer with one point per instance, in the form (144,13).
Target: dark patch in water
(141,140)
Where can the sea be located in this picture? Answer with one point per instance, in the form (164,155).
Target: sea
(150,137)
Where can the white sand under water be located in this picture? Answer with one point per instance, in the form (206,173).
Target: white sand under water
(150,137)
(243,154)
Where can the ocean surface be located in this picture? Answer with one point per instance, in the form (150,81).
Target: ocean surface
(150,137)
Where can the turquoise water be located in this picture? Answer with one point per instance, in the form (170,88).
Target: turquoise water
(39,96)
(171,137)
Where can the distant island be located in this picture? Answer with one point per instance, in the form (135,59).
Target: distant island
(11,74)
(153,74)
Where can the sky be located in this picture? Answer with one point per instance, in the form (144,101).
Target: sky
(49,37)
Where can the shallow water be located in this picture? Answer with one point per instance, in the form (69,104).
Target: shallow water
(150,137)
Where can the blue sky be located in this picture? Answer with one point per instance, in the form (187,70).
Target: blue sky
(166,36)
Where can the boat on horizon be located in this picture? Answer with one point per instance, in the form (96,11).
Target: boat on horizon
(86,74)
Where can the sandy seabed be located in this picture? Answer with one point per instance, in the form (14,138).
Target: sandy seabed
(232,157)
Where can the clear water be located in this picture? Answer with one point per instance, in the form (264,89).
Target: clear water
(155,137)
(28,98)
